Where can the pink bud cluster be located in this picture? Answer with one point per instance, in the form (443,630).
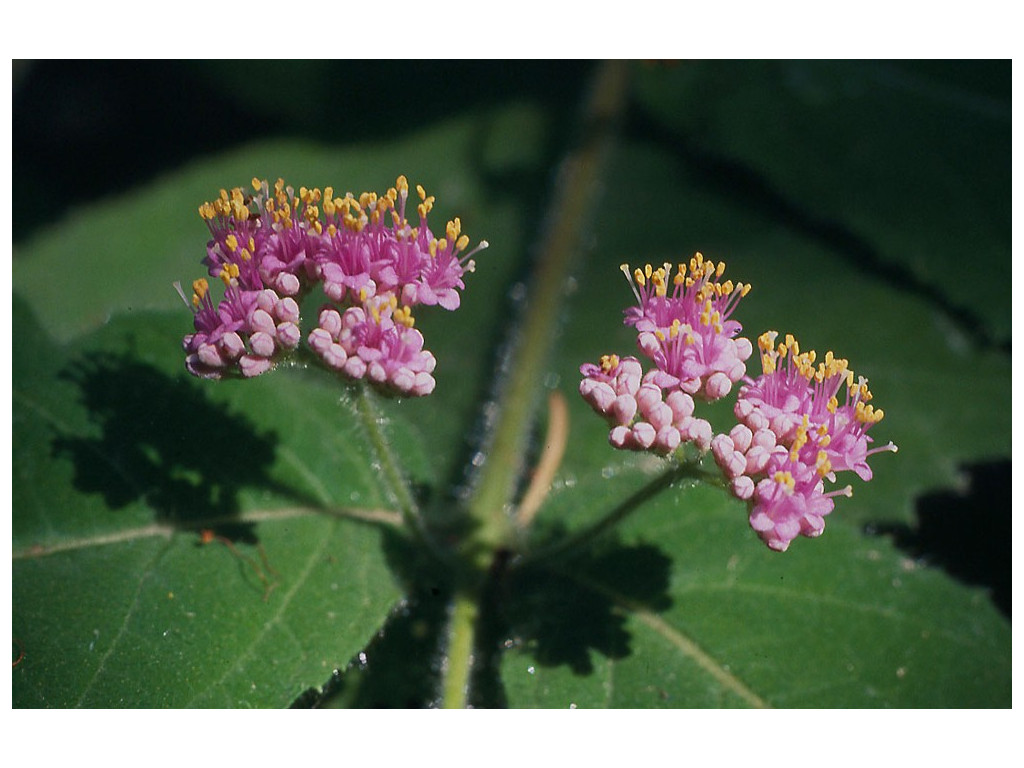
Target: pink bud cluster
(372,345)
(270,248)
(641,415)
(248,331)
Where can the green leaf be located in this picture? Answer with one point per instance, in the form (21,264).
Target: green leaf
(684,608)
(122,462)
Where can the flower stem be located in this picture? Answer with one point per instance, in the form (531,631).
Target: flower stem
(459,659)
(372,421)
(616,514)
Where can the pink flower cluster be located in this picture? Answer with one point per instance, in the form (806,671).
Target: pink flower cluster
(793,435)
(683,327)
(271,248)
(799,422)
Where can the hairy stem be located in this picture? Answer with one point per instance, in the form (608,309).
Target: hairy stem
(688,470)
(491,502)
(459,659)
(372,421)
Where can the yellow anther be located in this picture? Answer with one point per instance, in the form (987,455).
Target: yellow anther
(402,184)
(245,255)
(453,228)
(199,289)
(424,208)
(824,466)
(784,478)
(705,315)
(421,192)
(257,184)
(231,242)
(638,275)
(462,242)
(404,317)
(609,363)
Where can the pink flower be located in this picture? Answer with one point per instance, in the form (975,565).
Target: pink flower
(271,240)
(685,328)
(370,247)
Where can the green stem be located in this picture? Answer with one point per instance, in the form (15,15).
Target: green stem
(489,507)
(372,421)
(459,659)
(491,501)
(582,538)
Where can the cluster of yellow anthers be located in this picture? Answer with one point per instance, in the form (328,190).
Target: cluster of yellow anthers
(355,213)
(454,232)
(200,288)
(803,363)
(823,465)
(700,282)
(234,205)
(703,274)
(246,252)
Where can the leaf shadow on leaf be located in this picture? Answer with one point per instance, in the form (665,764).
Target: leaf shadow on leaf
(560,613)
(965,532)
(163,442)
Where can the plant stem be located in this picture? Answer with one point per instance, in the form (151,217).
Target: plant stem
(459,659)
(491,501)
(615,515)
(371,419)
